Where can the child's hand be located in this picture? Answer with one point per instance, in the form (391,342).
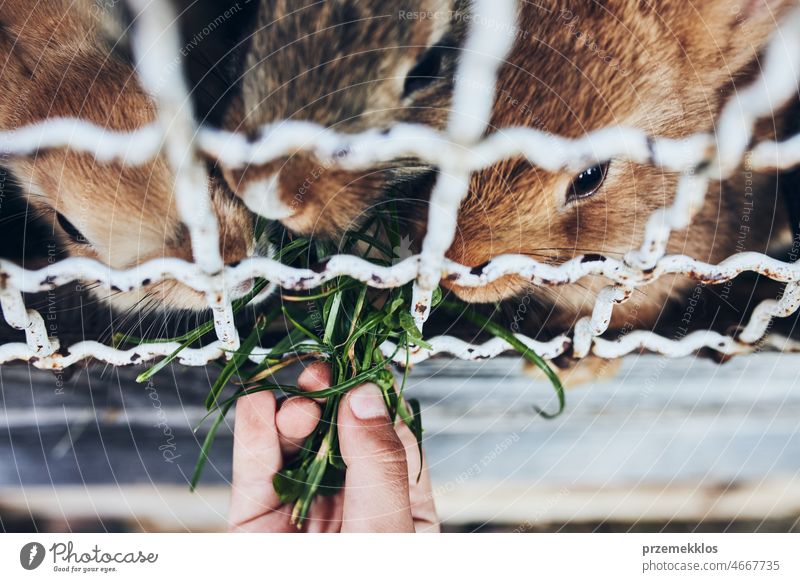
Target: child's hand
(381,492)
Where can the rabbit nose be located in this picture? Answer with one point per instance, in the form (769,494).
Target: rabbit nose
(263,197)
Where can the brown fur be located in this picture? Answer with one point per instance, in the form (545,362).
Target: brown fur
(665,67)
(58,63)
(672,66)
(341,64)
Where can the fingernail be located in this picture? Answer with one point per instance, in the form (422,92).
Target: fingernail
(367,403)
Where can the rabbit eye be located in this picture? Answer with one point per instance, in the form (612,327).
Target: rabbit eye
(70,229)
(587,182)
(425,71)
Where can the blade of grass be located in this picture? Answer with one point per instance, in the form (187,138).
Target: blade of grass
(331,320)
(339,388)
(527,353)
(232,367)
(416,429)
(307,332)
(194,335)
(207,442)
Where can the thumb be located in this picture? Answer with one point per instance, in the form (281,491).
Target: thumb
(376,493)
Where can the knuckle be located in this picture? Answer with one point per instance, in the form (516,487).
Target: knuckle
(389,452)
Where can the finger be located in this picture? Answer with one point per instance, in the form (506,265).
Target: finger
(376,494)
(325,515)
(423,507)
(256,459)
(296,419)
(316,376)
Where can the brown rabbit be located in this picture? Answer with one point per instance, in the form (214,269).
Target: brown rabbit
(350,65)
(60,60)
(661,66)
(665,67)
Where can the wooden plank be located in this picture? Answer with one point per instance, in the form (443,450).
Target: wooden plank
(665,438)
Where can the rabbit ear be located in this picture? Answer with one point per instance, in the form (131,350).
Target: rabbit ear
(721,37)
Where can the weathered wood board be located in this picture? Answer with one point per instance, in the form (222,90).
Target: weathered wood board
(666,439)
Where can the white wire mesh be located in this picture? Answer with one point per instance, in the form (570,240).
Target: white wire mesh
(458,152)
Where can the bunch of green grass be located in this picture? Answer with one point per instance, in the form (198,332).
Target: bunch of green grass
(344,323)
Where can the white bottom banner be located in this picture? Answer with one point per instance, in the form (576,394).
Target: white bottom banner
(400,557)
